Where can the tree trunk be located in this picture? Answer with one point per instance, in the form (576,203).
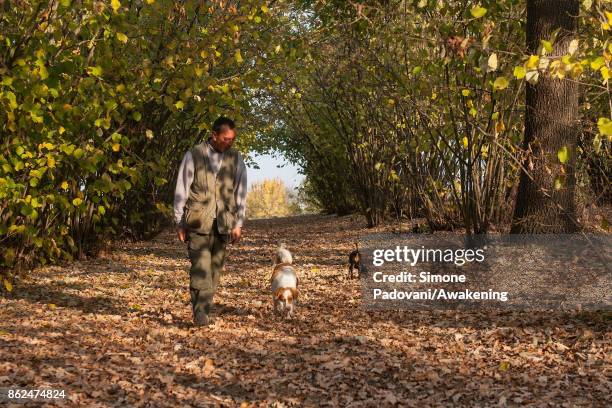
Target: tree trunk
(545,201)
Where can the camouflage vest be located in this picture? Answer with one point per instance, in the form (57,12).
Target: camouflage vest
(211,197)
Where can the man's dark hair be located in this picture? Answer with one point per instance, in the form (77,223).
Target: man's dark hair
(222,121)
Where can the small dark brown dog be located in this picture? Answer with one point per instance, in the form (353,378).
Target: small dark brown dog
(354,261)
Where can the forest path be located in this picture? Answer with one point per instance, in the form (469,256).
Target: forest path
(116,331)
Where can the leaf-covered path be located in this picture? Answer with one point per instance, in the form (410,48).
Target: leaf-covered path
(115,331)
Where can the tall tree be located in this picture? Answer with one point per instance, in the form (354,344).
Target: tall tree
(545,201)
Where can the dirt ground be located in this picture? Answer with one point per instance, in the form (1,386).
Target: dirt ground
(116,331)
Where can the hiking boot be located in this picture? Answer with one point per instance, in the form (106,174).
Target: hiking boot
(201,319)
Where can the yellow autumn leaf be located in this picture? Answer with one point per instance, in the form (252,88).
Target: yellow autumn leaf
(116,147)
(64,185)
(519,72)
(563,154)
(597,63)
(478,12)
(8,285)
(465,142)
(577,70)
(500,83)
(532,62)
(238,57)
(122,37)
(77,201)
(547,46)
(484,151)
(605,126)
(42,71)
(115,4)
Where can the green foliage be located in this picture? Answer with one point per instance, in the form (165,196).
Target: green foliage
(395,108)
(407,109)
(399,101)
(98,102)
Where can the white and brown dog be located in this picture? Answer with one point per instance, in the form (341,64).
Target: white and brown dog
(284,282)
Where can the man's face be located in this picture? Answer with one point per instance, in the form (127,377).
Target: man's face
(224,139)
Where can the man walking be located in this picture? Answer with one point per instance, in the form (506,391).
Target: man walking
(209,208)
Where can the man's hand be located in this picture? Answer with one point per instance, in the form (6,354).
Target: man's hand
(182,234)
(235,234)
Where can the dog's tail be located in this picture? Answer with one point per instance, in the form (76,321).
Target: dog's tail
(283,255)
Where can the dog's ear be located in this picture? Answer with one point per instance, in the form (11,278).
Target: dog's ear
(294,293)
(278,293)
